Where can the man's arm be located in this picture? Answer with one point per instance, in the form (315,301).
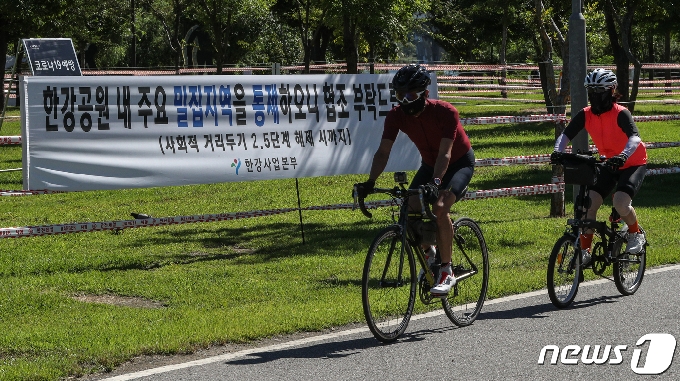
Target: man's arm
(443,157)
(382,155)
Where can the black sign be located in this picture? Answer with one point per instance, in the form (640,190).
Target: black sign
(52,56)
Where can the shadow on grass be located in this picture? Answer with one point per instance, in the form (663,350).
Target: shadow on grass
(538,147)
(512,129)
(264,241)
(519,176)
(657,191)
(232,244)
(278,240)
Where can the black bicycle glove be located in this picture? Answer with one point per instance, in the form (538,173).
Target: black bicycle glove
(430,193)
(365,188)
(556,157)
(616,162)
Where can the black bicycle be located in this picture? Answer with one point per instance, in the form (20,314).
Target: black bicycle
(565,268)
(389,281)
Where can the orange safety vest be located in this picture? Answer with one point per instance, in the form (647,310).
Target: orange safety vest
(609,138)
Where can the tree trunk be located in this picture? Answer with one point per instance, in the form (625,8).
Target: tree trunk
(626,33)
(667,58)
(557,200)
(306,41)
(175,44)
(650,54)
(620,57)
(322,37)
(555,103)
(3,59)
(501,55)
(349,39)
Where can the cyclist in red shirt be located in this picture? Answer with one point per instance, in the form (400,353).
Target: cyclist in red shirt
(448,160)
(612,129)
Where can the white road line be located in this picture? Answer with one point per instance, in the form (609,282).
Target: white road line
(308,340)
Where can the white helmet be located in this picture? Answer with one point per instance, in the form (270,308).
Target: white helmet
(601,78)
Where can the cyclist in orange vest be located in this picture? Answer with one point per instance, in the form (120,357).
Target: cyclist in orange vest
(612,129)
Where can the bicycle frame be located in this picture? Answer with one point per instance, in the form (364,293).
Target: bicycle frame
(409,238)
(563,277)
(609,234)
(390,282)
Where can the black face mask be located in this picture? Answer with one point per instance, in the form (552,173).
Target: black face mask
(414,107)
(601,102)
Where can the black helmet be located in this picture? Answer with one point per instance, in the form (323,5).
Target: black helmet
(411,77)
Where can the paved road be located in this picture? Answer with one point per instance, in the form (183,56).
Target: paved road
(504,343)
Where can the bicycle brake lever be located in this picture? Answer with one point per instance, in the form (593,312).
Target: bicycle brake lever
(360,202)
(425,210)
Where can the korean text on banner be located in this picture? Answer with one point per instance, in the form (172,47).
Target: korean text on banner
(114,132)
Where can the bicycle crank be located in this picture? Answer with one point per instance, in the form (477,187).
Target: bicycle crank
(424,291)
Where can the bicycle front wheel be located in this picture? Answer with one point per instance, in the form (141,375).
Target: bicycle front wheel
(564,271)
(470,263)
(629,269)
(389,285)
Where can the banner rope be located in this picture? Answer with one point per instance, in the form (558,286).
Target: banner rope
(556,186)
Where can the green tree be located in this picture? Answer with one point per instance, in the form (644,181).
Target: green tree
(374,28)
(388,24)
(308,18)
(169,14)
(277,43)
(233,26)
(25,19)
(104,23)
(473,30)
(619,19)
(552,30)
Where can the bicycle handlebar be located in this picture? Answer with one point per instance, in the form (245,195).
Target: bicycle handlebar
(586,157)
(582,157)
(395,192)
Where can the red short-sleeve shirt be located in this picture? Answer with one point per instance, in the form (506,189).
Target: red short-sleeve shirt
(439,120)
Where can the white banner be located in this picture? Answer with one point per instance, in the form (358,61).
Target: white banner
(113,132)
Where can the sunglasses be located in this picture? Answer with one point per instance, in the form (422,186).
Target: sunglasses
(409,97)
(598,90)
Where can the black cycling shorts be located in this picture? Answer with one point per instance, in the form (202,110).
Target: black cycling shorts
(456,178)
(627,180)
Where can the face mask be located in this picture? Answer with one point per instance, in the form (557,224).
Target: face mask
(601,102)
(414,107)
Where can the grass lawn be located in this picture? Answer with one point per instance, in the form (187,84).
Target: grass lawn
(184,287)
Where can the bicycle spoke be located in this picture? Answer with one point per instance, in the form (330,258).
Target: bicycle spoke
(629,269)
(388,285)
(470,267)
(563,272)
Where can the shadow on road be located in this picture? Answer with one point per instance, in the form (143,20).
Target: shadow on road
(540,310)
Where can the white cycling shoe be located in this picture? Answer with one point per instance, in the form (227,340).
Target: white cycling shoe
(636,242)
(445,282)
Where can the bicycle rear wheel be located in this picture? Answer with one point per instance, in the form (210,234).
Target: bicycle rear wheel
(564,271)
(470,263)
(389,285)
(629,269)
